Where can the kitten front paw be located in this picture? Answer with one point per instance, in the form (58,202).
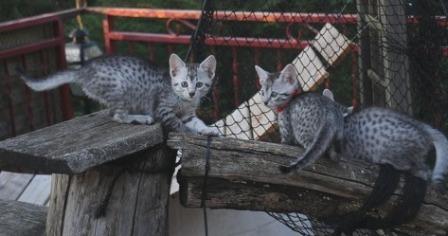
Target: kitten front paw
(210,131)
(149,120)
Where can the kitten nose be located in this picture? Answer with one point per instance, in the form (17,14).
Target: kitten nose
(191,94)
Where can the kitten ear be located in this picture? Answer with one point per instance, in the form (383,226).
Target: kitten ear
(175,64)
(327,93)
(262,74)
(290,74)
(209,65)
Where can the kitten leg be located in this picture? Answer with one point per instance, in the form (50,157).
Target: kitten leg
(169,119)
(196,125)
(140,119)
(334,152)
(322,141)
(384,187)
(123,116)
(414,192)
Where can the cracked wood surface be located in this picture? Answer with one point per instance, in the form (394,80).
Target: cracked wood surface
(245,175)
(76,145)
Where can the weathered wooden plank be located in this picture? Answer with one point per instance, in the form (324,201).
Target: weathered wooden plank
(38,190)
(22,219)
(13,184)
(137,204)
(325,187)
(311,70)
(76,145)
(331,44)
(251,120)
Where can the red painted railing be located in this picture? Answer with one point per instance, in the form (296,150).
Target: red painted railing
(170,38)
(57,42)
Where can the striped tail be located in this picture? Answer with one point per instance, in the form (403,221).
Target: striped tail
(440,142)
(326,134)
(50,82)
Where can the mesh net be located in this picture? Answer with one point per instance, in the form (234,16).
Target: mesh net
(272,34)
(383,53)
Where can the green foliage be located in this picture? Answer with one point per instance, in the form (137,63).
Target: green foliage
(15,9)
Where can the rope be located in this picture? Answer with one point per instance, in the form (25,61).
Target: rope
(78,17)
(198,37)
(204,184)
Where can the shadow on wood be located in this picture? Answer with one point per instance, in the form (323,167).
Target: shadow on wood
(19,218)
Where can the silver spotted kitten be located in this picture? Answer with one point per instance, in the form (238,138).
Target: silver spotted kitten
(137,92)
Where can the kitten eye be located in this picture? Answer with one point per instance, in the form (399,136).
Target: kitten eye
(199,84)
(184,84)
(274,94)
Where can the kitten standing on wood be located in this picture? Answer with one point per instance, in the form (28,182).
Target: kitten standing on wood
(137,92)
(399,144)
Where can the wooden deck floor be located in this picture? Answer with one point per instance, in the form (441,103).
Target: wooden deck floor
(25,187)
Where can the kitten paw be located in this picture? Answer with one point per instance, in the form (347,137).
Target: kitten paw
(149,120)
(133,119)
(210,131)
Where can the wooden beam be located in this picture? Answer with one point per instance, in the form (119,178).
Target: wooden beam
(19,218)
(245,175)
(76,145)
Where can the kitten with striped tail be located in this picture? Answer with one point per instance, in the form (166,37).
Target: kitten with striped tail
(137,92)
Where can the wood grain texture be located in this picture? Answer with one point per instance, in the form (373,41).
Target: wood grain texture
(245,175)
(21,219)
(138,201)
(76,145)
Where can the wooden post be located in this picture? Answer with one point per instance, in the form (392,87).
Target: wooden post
(365,85)
(109,178)
(384,63)
(392,14)
(138,202)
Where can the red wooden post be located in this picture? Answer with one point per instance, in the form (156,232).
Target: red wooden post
(11,109)
(66,101)
(28,98)
(107,29)
(48,112)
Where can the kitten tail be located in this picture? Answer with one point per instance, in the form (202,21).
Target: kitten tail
(441,145)
(50,82)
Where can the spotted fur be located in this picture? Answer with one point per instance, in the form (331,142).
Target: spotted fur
(308,120)
(382,136)
(137,92)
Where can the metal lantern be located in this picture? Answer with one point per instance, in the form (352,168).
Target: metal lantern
(80,49)
(77,52)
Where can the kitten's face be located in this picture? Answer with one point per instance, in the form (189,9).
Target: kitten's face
(277,88)
(191,81)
